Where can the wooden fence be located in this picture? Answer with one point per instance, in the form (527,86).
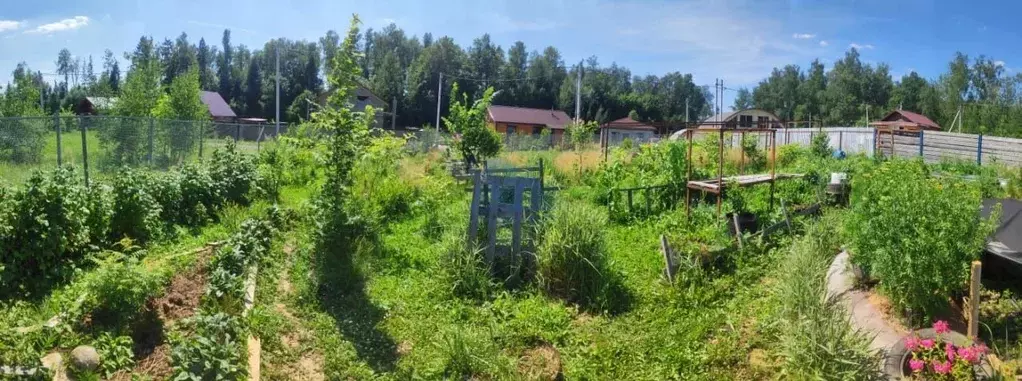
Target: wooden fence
(934,146)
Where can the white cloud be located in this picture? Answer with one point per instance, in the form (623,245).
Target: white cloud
(860,47)
(6,25)
(824,43)
(388,21)
(803,36)
(62,25)
(999,63)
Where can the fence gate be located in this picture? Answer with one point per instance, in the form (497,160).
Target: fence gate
(503,198)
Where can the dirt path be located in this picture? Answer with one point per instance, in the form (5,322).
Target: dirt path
(300,359)
(864,311)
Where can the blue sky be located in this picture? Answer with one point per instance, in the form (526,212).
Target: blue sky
(739,41)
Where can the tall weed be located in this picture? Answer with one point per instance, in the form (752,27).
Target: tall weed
(817,340)
(572,257)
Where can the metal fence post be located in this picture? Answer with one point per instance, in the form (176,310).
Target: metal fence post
(237,133)
(979,150)
(921,137)
(152,131)
(60,150)
(85,149)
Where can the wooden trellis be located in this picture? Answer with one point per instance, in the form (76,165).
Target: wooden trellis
(489,188)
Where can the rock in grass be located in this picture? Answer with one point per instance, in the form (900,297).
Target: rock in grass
(84,357)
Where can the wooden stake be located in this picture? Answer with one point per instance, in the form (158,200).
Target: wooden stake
(974,288)
(668,261)
(738,231)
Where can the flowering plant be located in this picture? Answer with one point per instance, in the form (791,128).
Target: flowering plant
(937,359)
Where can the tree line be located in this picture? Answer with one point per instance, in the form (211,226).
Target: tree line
(980,92)
(398,68)
(406,70)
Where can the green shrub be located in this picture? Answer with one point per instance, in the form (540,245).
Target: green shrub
(136,214)
(200,196)
(914,234)
(817,340)
(572,256)
(379,194)
(165,189)
(117,291)
(230,264)
(116,353)
(820,145)
(100,201)
(23,139)
(233,173)
(49,234)
(212,351)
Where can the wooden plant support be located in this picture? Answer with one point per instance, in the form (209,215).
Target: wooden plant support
(738,231)
(668,259)
(487,188)
(972,305)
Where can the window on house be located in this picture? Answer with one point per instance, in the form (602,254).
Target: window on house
(745,121)
(510,129)
(763,122)
(536,131)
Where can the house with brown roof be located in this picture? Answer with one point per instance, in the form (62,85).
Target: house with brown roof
(218,108)
(617,131)
(508,120)
(906,120)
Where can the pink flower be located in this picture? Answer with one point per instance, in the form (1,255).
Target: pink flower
(911,343)
(941,327)
(941,367)
(916,365)
(968,354)
(980,349)
(950,351)
(927,343)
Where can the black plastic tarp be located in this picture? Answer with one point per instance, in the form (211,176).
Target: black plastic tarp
(1005,247)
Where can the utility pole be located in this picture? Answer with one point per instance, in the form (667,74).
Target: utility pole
(439,96)
(393,113)
(686,113)
(578,92)
(277,118)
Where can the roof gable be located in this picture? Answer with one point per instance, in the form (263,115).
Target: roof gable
(912,117)
(218,108)
(627,123)
(507,114)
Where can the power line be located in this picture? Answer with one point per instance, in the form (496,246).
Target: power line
(487,80)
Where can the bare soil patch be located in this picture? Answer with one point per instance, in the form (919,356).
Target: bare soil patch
(541,363)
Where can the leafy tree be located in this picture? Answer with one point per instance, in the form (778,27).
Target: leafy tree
(112,72)
(580,135)
(182,102)
(253,89)
(141,89)
(65,64)
(476,141)
(329,43)
(349,135)
(743,100)
(443,56)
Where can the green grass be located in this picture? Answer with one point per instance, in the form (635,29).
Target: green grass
(72,154)
(394,316)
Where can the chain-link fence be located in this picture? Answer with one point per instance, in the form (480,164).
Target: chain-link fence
(99,145)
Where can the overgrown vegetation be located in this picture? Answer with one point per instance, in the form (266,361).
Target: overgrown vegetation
(915,235)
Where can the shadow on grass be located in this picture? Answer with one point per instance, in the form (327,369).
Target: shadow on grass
(341,292)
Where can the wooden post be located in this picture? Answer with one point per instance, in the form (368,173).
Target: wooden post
(473,219)
(841,140)
(541,172)
(720,170)
(741,156)
(491,218)
(668,261)
(516,229)
(648,209)
(892,144)
(773,165)
(738,230)
(974,288)
(688,175)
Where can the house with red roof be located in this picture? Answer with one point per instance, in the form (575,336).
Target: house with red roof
(906,120)
(508,120)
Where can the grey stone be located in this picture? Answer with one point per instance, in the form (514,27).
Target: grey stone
(84,357)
